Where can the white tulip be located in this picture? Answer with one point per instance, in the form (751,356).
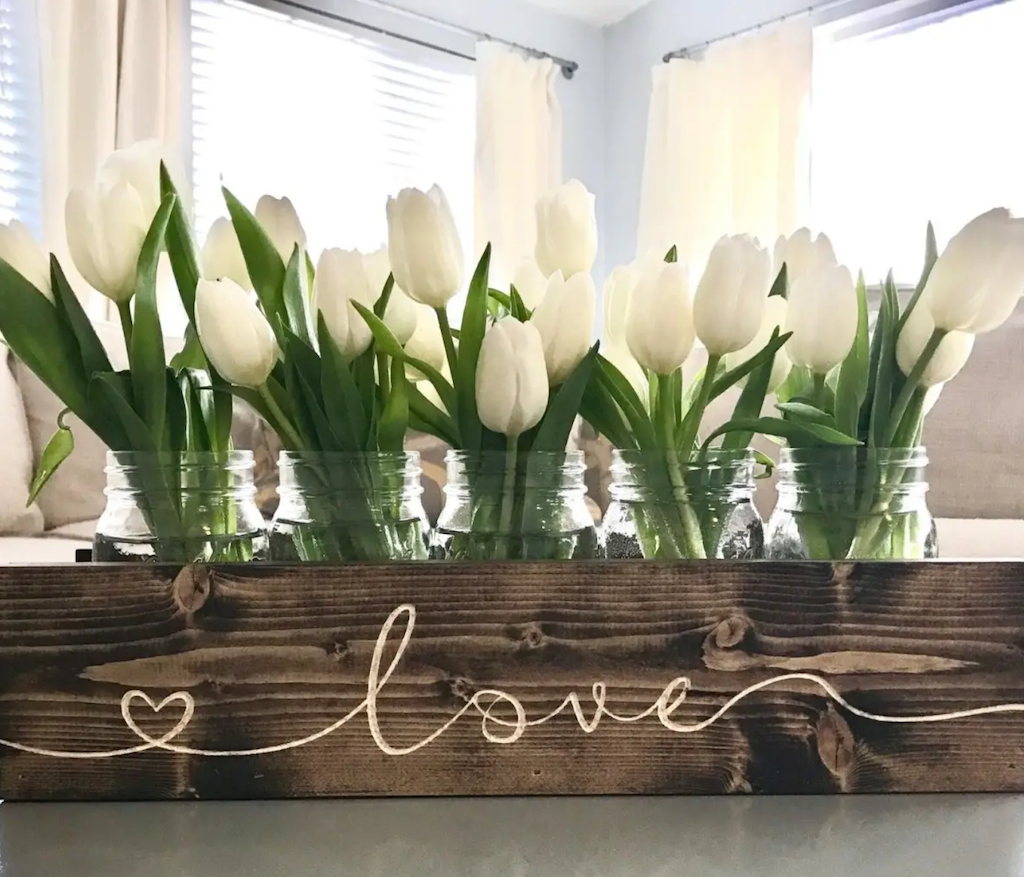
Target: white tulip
(565,320)
(529,282)
(950,357)
(618,291)
(822,315)
(659,329)
(378,268)
(424,247)
(802,253)
(222,254)
(343,277)
(278,219)
(729,304)
(774,318)
(107,222)
(566,231)
(978,280)
(511,379)
(426,342)
(19,250)
(234,333)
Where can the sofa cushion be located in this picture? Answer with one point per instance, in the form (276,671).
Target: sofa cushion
(16,452)
(25,551)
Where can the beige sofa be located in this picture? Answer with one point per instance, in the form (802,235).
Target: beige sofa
(976,474)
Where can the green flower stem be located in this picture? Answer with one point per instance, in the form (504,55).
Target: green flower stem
(911,386)
(449,343)
(124,309)
(693,417)
(508,488)
(689,541)
(820,392)
(289,433)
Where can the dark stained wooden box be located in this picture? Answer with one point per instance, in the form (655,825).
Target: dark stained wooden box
(262,661)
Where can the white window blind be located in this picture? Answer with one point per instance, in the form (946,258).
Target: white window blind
(917,123)
(330,118)
(20,142)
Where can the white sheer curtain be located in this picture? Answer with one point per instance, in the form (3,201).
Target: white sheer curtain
(518,153)
(726,147)
(110,74)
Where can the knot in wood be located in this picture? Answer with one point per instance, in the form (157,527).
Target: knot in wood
(462,688)
(192,588)
(732,631)
(836,743)
(533,635)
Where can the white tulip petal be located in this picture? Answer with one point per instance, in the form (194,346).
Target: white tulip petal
(951,356)
(822,315)
(660,331)
(19,250)
(222,254)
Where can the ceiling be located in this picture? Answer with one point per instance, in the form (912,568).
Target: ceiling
(596,12)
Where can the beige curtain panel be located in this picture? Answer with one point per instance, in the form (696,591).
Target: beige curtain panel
(727,150)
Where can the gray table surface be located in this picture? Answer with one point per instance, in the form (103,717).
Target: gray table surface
(974,836)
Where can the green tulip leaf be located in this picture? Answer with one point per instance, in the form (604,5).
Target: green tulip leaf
(621,391)
(791,430)
(94,356)
(296,302)
(196,392)
(57,450)
(394,419)
(181,246)
(177,417)
(519,309)
(852,384)
(735,375)
(342,401)
(751,400)
(553,431)
(264,264)
(887,371)
(112,387)
(388,344)
(762,459)
(805,412)
(425,416)
(474,325)
(781,285)
(146,350)
(381,307)
(672,256)
(931,256)
(32,327)
(501,301)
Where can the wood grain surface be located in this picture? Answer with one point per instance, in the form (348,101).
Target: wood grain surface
(271,654)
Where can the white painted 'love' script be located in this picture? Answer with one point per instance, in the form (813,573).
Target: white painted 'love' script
(486,703)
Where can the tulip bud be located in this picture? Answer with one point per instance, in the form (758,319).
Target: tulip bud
(566,231)
(659,329)
(802,254)
(424,246)
(775,310)
(279,220)
(975,285)
(951,356)
(530,283)
(108,221)
(511,379)
(823,316)
(565,320)
(222,255)
(729,304)
(342,277)
(426,342)
(234,333)
(19,250)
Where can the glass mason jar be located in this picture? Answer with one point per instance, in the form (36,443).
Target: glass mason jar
(349,507)
(843,503)
(501,506)
(180,508)
(705,511)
